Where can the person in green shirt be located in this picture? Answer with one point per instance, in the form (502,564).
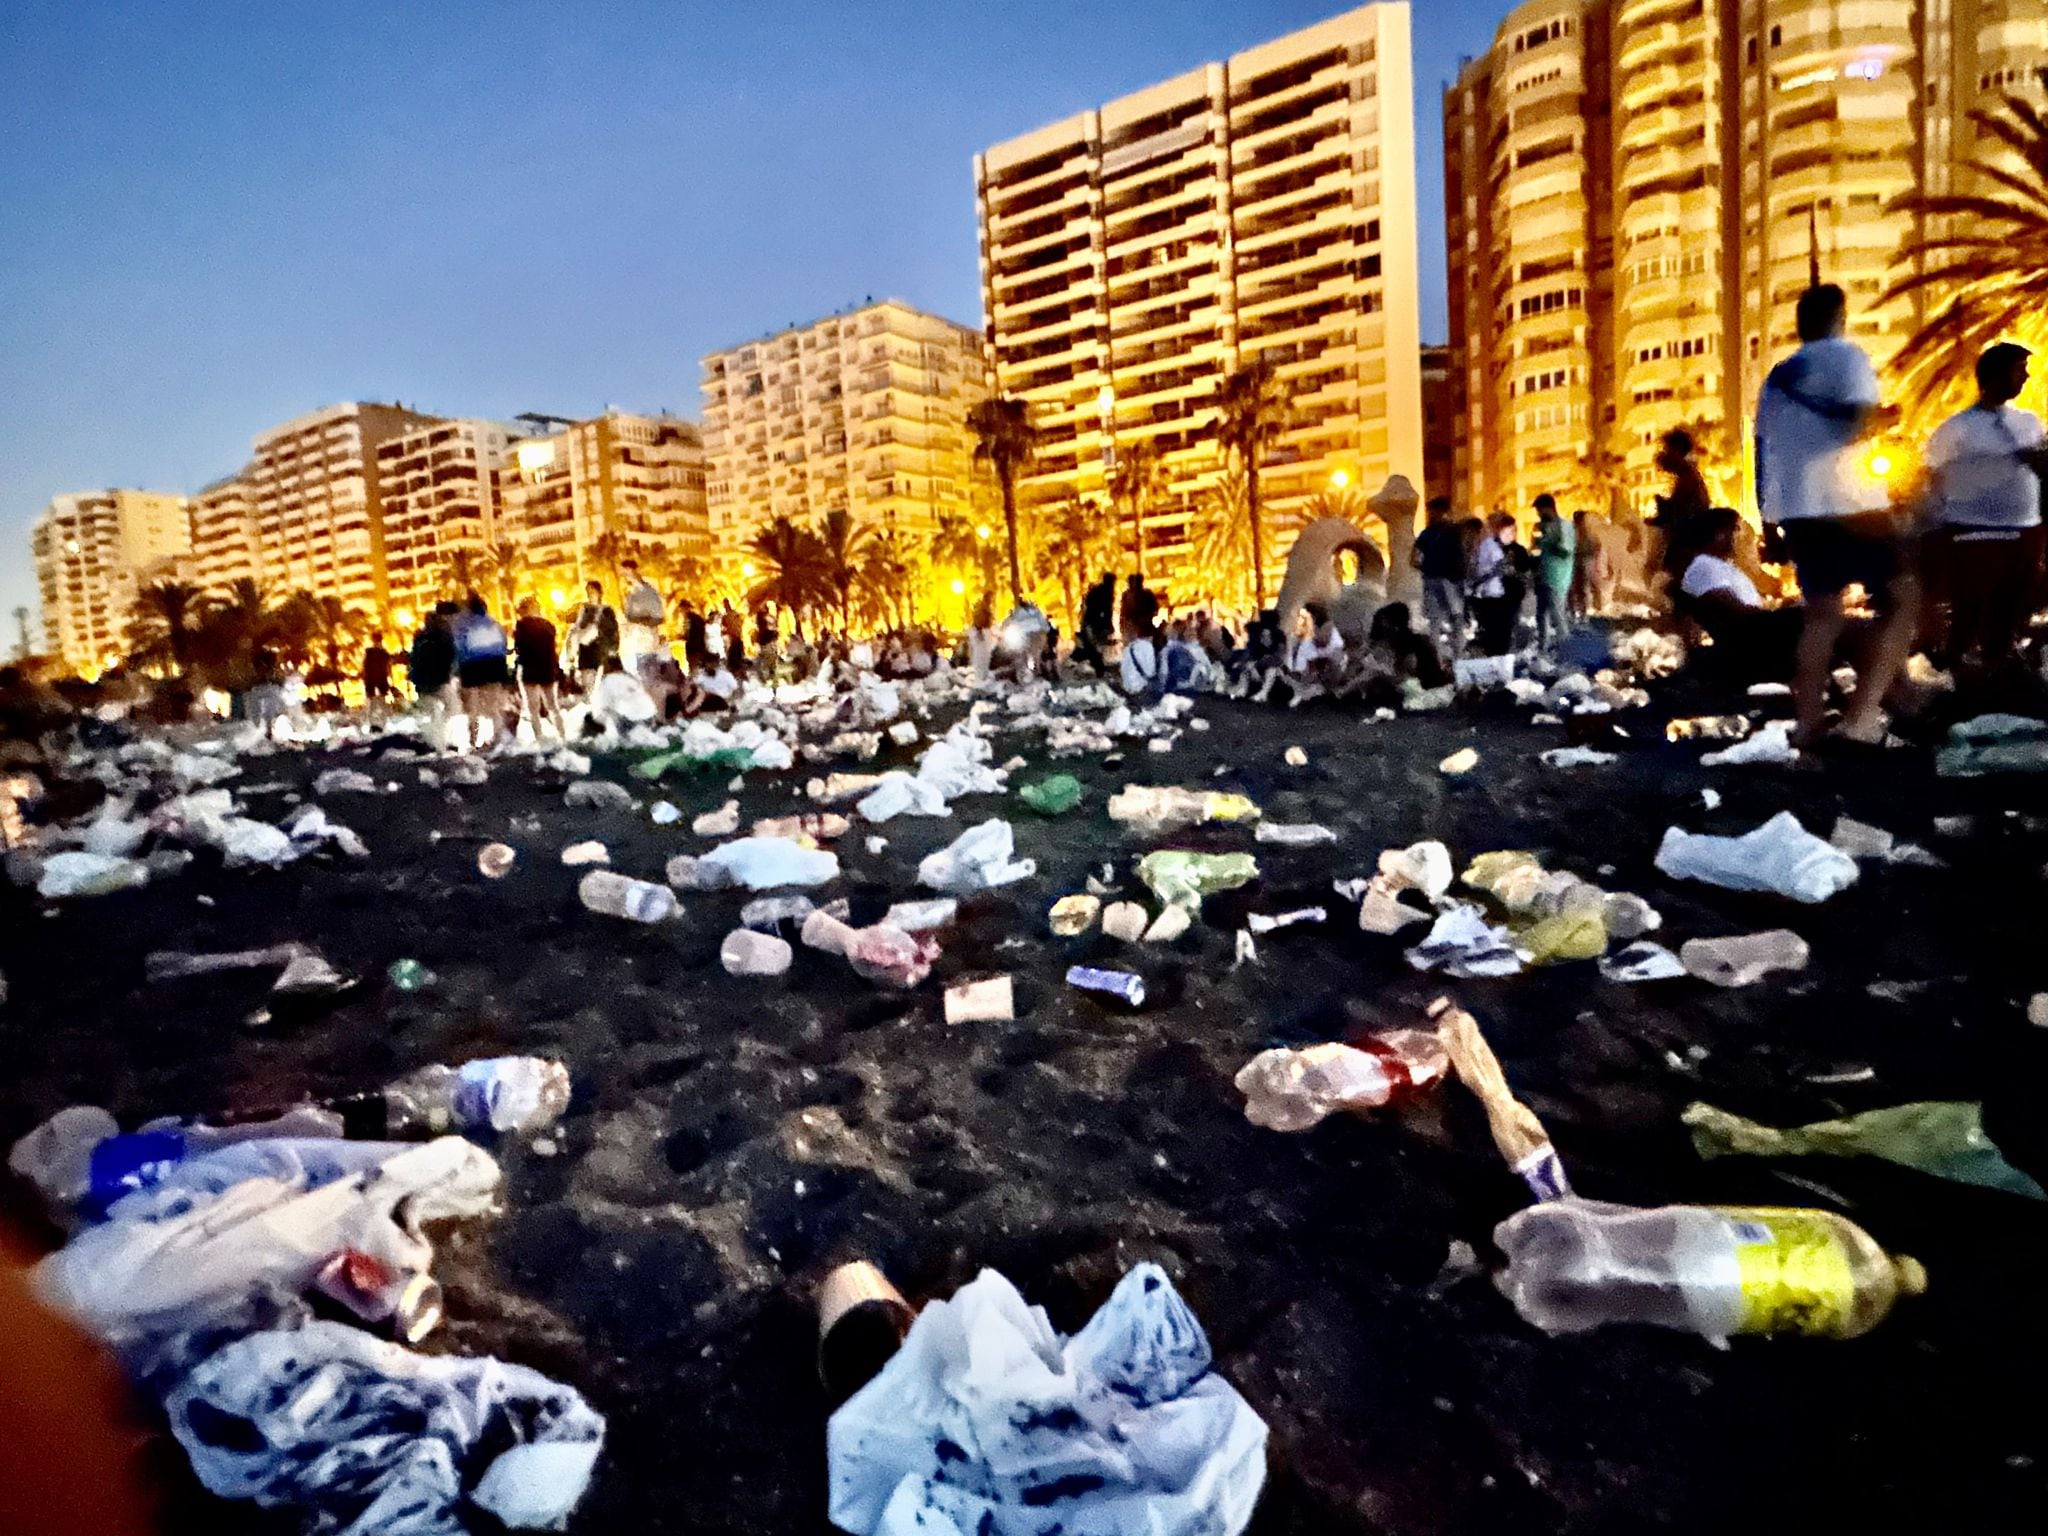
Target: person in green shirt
(1557,547)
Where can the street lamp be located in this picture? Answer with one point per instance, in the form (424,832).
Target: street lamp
(1339,478)
(959,587)
(983,531)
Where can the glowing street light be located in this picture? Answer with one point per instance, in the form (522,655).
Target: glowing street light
(1881,464)
(747,569)
(403,618)
(1340,478)
(558,597)
(959,587)
(983,531)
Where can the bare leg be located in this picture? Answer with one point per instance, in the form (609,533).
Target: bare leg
(1888,655)
(1814,661)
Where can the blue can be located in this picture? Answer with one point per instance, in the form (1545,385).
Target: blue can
(1123,984)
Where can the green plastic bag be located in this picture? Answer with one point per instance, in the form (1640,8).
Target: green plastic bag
(1943,1138)
(1183,879)
(1052,796)
(726,760)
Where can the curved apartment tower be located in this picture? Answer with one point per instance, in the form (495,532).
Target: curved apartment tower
(1747,145)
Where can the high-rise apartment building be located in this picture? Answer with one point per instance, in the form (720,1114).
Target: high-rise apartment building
(438,483)
(1262,207)
(864,412)
(224,540)
(620,486)
(319,501)
(1637,191)
(93,550)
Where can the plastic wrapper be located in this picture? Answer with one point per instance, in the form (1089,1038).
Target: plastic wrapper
(1184,879)
(1742,959)
(1291,1090)
(1152,809)
(1461,942)
(1944,1138)
(757,863)
(366,1438)
(987,1423)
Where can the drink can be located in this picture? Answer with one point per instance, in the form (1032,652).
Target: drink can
(1123,984)
(410,1303)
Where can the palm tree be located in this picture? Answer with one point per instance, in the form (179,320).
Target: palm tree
(166,617)
(1250,414)
(21,641)
(885,578)
(1220,535)
(792,561)
(957,544)
(1986,251)
(1006,439)
(1070,542)
(607,552)
(842,546)
(1135,483)
(508,563)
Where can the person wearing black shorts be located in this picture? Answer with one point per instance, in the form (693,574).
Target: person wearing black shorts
(1817,408)
(540,674)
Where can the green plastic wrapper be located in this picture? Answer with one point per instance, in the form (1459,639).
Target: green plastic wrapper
(1183,879)
(1943,1138)
(1054,795)
(730,760)
(1576,934)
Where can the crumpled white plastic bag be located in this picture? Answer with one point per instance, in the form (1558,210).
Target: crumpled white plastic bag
(1780,856)
(758,863)
(74,873)
(370,1439)
(255,1214)
(985,1423)
(978,859)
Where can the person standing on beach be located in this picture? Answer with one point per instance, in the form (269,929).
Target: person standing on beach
(540,677)
(595,635)
(1817,406)
(1439,554)
(431,670)
(1984,465)
(1556,558)
(485,673)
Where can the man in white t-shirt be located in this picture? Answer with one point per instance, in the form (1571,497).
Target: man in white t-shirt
(1984,490)
(1813,481)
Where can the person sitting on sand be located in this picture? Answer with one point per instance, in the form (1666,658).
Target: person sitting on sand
(1184,667)
(1315,662)
(1406,654)
(1140,665)
(1715,593)
(1263,658)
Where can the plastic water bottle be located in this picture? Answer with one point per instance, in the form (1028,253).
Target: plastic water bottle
(616,895)
(1706,1269)
(497,1093)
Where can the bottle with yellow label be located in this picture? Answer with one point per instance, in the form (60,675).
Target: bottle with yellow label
(1704,1269)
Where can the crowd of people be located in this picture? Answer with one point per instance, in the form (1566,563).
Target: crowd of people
(1948,561)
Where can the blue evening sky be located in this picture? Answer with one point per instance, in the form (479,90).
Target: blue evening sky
(217,216)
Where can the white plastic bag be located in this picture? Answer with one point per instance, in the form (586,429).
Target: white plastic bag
(758,863)
(258,1214)
(1780,857)
(89,874)
(369,1439)
(978,859)
(986,1423)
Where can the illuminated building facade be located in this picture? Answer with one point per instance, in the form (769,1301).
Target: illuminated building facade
(1261,207)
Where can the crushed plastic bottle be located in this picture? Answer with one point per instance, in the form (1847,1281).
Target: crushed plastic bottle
(495,1093)
(748,953)
(1710,1270)
(616,895)
(1291,1090)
